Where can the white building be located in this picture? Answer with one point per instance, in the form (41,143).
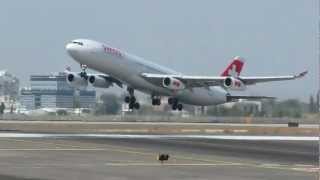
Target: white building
(53,91)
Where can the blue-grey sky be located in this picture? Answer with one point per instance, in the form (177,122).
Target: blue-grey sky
(194,37)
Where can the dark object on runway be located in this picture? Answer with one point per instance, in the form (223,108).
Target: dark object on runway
(293,124)
(163,157)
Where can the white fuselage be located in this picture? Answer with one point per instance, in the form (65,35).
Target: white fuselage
(128,69)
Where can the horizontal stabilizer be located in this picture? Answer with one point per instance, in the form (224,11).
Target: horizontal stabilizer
(250,98)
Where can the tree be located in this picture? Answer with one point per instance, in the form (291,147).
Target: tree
(2,108)
(312,105)
(110,104)
(288,108)
(318,102)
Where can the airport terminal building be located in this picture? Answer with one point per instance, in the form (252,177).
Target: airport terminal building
(53,91)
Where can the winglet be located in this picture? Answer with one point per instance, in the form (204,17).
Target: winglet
(301,75)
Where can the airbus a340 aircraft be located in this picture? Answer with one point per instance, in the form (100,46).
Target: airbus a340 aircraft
(121,68)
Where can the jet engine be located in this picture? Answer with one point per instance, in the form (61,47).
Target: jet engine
(99,81)
(76,81)
(173,83)
(234,84)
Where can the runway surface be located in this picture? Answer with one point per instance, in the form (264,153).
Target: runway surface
(116,156)
(158,128)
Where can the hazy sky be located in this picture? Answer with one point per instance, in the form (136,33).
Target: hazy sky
(193,37)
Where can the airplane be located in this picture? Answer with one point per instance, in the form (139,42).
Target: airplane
(121,68)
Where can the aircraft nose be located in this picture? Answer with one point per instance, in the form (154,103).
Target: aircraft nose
(71,49)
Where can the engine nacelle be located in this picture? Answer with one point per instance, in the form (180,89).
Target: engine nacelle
(76,81)
(98,81)
(234,84)
(173,83)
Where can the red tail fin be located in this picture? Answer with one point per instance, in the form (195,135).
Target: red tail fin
(234,69)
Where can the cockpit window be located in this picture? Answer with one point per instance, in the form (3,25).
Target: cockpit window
(77,42)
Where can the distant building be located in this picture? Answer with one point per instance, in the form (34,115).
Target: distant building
(245,106)
(53,91)
(9,88)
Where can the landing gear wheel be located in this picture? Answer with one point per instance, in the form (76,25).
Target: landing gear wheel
(131,105)
(170,101)
(153,102)
(174,107)
(133,99)
(175,104)
(136,105)
(127,99)
(156,102)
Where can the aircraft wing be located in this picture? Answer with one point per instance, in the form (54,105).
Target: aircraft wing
(205,81)
(81,79)
(189,81)
(255,80)
(109,78)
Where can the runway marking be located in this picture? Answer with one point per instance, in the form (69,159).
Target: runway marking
(154,123)
(214,130)
(55,149)
(113,148)
(304,168)
(190,130)
(224,145)
(125,130)
(57,145)
(177,136)
(283,167)
(240,130)
(170,164)
(40,165)
(77,148)
(138,151)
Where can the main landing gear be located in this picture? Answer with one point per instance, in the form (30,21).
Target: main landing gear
(156,101)
(131,99)
(175,105)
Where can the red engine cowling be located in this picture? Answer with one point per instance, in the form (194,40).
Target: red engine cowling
(234,84)
(173,83)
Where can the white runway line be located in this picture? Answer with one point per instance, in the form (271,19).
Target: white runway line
(137,136)
(171,164)
(54,149)
(156,123)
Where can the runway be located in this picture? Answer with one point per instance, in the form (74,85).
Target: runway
(48,156)
(158,128)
